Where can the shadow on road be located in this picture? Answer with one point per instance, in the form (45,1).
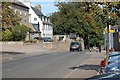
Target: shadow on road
(14,53)
(87,67)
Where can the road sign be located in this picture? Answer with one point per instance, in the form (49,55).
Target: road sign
(111,31)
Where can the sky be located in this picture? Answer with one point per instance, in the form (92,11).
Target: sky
(47,6)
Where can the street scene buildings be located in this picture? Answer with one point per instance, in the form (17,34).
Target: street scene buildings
(80,40)
(39,21)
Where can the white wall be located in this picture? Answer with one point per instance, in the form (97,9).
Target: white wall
(43,28)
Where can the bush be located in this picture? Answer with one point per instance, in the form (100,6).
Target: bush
(0,35)
(15,33)
(7,35)
(19,32)
(35,40)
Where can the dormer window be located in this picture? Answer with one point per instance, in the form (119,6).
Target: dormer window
(47,19)
(42,18)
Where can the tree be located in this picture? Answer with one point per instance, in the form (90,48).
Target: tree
(9,18)
(88,19)
(19,32)
(7,35)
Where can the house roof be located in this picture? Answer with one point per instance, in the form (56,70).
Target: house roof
(20,4)
(47,23)
(38,12)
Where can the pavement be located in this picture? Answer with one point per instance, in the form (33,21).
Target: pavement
(87,69)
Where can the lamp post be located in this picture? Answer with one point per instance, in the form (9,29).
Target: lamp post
(107,44)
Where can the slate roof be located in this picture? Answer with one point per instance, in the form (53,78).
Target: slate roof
(38,12)
(20,4)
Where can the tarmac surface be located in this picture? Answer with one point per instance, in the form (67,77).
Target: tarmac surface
(13,51)
(87,69)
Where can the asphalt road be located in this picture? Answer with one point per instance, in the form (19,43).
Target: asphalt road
(48,65)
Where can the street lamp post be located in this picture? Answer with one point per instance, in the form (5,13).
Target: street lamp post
(107,48)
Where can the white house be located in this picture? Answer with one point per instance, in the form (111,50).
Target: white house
(39,22)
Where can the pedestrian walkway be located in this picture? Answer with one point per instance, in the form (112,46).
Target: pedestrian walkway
(88,68)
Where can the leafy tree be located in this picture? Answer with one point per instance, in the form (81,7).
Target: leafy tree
(19,32)
(7,35)
(9,18)
(88,19)
(15,33)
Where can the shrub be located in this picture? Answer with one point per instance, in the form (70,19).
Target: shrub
(19,32)
(0,35)
(35,40)
(7,35)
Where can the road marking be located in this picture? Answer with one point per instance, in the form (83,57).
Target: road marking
(78,66)
(70,73)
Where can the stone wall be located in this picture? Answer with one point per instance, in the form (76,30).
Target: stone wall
(12,42)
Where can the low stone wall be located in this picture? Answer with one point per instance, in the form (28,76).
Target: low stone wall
(13,42)
(57,46)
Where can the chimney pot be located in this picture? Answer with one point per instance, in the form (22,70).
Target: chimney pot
(38,7)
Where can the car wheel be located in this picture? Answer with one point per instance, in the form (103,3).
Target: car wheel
(80,49)
(70,50)
(73,50)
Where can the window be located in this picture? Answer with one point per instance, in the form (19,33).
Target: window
(42,18)
(35,19)
(25,13)
(15,11)
(47,19)
(46,27)
(20,13)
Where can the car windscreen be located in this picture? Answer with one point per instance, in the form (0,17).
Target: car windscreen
(75,43)
(116,64)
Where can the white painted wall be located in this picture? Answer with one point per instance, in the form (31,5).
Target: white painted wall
(45,31)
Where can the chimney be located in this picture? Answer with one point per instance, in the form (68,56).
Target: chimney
(38,7)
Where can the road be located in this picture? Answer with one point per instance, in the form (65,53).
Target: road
(48,65)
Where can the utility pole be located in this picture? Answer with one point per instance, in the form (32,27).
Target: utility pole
(107,47)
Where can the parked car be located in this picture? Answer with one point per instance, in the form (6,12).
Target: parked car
(113,67)
(108,76)
(75,46)
(113,59)
(113,54)
(47,39)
